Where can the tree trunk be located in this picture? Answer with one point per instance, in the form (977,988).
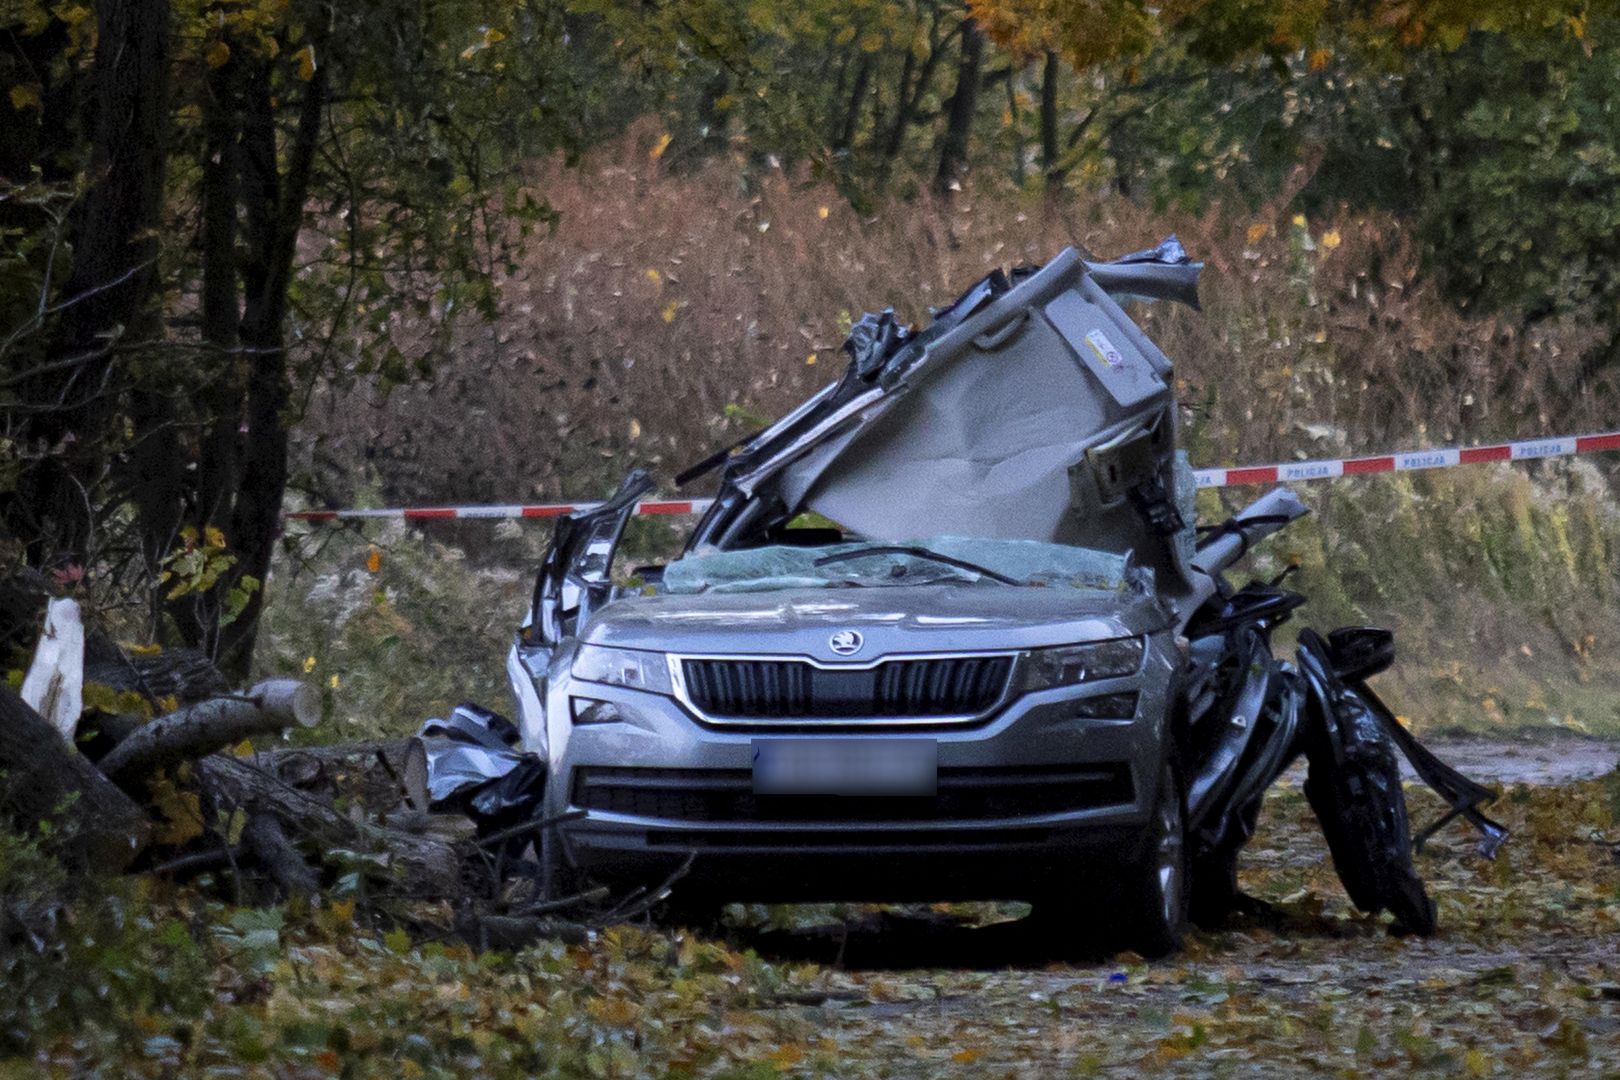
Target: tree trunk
(1049,117)
(114,252)
(221,374)
(424,866)
(852,112)
(953,146)
(43,779)
(275,213)
(1018,171)
(911,92)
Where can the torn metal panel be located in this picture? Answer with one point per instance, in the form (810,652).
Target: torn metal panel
(1032,408)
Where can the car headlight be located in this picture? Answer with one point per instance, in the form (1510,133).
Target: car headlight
(1067,665)
(630,668)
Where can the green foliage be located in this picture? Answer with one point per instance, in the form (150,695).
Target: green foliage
(422,632)
(88,955)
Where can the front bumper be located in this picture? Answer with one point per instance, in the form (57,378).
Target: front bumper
(1022,796)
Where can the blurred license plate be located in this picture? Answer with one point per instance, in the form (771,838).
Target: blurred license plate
(846,766)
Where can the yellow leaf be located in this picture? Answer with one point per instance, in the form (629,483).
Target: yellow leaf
(1257,233)
(332,682)
(822,213)
(670,310)
(309,664)
(306,63)
(243,748)
(218,53)
(180,811)
(659,147)
(212,537)
(1331,239)
(654,276)
(635,428)
(492,35)
(810,360)
(374,560)
(1299,221)
(25,96)
(235,823)
(140,650)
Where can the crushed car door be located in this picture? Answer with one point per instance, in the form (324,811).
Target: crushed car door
(576,575)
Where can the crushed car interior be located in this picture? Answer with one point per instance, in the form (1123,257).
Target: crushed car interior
(949,630)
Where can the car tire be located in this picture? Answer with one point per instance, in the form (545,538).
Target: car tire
(1155,892)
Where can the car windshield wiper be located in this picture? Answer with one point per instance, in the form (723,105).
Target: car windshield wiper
(919,553)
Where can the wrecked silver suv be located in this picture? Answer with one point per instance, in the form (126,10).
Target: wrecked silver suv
(948,631)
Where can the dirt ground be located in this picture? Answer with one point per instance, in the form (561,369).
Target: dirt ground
(1524,977)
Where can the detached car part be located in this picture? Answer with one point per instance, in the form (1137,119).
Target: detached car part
(1003,664)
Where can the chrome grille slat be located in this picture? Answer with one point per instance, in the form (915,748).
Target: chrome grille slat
(916,688)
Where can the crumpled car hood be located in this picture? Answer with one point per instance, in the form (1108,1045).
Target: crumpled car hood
(891,619)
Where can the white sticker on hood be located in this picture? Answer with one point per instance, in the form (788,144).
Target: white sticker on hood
(1104,349)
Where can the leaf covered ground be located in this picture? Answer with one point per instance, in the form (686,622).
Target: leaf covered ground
(1525,977)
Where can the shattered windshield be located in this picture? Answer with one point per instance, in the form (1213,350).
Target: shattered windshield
(913,562)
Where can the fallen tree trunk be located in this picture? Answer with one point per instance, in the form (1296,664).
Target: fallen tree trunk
(372,773)
(416,865)
(45,779)
(185,674)
(211,725)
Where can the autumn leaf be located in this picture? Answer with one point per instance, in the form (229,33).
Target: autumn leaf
(25,96)
(179,812)
(660,146)
(217,55)
(305,59)
(374,560)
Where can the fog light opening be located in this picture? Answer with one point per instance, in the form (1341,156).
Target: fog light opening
(591,711)
(1107,707)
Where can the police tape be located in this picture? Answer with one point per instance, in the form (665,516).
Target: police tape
(1281,473)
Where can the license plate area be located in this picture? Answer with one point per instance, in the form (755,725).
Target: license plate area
(846,766)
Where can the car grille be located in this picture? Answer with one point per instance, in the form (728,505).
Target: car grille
(727,795)
(926,688)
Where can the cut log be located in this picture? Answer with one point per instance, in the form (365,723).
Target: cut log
(416,866)
(211,725)
(370,773)
(42,778)
(414,776)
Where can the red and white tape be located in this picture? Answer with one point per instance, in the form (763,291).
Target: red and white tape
(1282,473)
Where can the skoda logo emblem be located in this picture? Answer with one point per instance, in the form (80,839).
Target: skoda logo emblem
(846,642)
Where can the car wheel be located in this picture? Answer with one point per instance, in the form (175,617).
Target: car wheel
(1155,895)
